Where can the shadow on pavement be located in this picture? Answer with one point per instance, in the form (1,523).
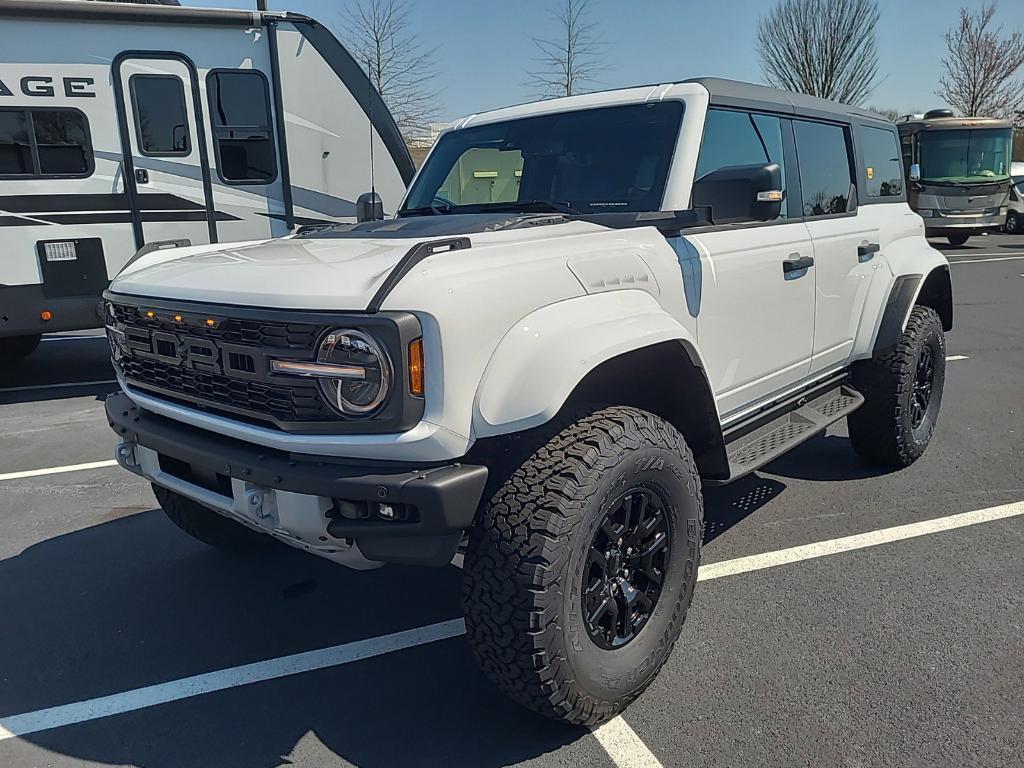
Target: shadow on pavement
(824,458)
(132,602)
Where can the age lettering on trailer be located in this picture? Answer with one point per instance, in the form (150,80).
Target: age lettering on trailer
(585,310)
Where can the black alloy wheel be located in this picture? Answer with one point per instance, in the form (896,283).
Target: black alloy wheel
(924,378)
(626,567)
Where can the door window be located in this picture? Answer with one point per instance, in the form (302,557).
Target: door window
(242,128)
(882,171)
(824,154)
(44,142)
(741,138)
(161,120)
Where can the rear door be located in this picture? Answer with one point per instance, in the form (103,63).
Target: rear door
(756,319)
(846,241)
(165,166)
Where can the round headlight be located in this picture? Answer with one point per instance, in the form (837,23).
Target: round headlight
(361,395)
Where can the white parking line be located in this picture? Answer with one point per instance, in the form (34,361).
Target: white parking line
(616,735)
(954,358)
(57,470)
(858,541)
(72,338)
(987,257)
(623,746)
(58,386)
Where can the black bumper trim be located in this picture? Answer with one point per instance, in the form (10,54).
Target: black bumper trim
(446,497)
(20,306)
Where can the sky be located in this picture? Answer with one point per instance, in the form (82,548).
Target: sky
(484,47)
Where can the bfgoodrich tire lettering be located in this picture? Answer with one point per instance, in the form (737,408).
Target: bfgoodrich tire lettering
(890,429)
(528,556)
(208,526)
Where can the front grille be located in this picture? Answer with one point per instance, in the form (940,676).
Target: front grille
(284,403)
(222,368)
(256,333)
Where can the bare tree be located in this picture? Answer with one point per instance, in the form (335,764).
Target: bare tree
(825,48)
(378,33)
(888,113)
(980,65)
(569,60)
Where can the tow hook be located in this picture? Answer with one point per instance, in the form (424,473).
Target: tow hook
(125,456)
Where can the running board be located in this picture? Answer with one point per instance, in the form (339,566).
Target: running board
(756,448)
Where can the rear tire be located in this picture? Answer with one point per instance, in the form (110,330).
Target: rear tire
(958,240)
(15,348)
(901,397)
(580,570)
(207,526)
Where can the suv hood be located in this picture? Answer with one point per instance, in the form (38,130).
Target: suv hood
(340,269)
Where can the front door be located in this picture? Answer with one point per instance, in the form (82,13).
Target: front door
(165,166)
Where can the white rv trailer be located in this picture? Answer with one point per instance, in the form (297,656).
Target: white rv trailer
(129,127)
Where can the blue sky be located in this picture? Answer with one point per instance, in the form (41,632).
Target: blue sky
(485,46)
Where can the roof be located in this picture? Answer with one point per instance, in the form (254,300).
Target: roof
(138,12)
(735,93)
(953,123)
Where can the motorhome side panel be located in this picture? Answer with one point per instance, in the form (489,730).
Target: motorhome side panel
(329,137)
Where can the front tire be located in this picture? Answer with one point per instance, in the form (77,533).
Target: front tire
(1012,222)
(902,390)
(580,570)
(958,240)
(15,348)
(207,526)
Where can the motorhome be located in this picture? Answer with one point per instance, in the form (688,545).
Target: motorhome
(126,128)
(958,172)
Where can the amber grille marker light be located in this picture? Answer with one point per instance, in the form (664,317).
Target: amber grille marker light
(416,367)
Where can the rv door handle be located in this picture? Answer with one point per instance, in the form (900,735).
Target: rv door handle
(867,252)
(141,176)
(797,263)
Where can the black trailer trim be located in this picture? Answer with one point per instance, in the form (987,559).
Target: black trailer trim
(358,83)
(92,202)
(128,164)
(279,118)
(416,254)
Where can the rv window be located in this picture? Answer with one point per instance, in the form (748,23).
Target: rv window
(161,120)
(15,144)
(242,128)
(44,142)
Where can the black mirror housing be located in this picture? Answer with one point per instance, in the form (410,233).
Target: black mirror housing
(739,193)
(369,207)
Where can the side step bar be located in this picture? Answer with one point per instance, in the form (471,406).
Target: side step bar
(755,448)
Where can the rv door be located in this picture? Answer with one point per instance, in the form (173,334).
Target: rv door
(165,165)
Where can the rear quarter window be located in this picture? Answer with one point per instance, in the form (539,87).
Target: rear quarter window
(883,173)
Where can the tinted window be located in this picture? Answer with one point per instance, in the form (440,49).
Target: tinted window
(160,116)
(44,142)
(882,171)
(596,161)
(824,167)
(15,144)
(240,112)
(741,138)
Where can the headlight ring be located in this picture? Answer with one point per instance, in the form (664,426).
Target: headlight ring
(354,395)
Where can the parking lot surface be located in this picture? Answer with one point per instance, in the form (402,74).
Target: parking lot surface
(126,643)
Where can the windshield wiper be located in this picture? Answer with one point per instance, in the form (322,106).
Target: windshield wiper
(427,210)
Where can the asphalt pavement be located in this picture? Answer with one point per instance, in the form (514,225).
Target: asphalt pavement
(125,643)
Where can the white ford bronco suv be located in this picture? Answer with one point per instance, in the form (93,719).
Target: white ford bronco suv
(584,310)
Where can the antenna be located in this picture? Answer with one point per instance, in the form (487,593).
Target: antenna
(369,112)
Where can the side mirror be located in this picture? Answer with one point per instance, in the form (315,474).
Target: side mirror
(369,207)
(741,193)
(915,172)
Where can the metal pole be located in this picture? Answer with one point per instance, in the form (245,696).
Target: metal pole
(261,5)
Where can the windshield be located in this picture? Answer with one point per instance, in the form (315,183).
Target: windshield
(979,155)
(589,161)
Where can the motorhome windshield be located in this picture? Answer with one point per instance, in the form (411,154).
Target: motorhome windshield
(601,160)
(965,156)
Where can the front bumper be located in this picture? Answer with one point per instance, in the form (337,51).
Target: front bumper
(330,507)
(951,230)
